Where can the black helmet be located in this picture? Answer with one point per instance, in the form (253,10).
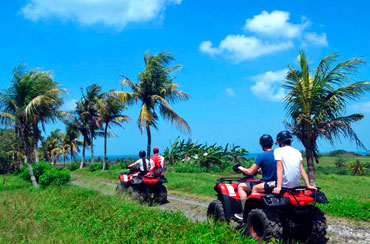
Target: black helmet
(266,141)
(142,154)
(284,136)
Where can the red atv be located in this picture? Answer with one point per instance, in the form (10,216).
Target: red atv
(289,215)
(143,188)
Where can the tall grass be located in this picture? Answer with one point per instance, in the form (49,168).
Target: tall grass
(72,215)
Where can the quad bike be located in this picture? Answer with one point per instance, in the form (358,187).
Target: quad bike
(289,215)
(143,188)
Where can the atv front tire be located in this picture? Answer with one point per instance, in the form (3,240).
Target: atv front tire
(317,225)
(215,211)
(264,224)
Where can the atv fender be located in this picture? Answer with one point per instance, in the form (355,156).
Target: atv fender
(230,204)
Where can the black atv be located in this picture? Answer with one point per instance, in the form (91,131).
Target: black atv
(142,188)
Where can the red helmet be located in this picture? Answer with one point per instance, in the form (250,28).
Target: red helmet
(155,150)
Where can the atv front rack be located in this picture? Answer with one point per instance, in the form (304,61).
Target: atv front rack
(234,179)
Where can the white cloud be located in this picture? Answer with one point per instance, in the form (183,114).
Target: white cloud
(69,105)
(272,32)
(112,13)
(241,47)
(230,92)
(267,85)
(360,107)
(275,24)
(314,39)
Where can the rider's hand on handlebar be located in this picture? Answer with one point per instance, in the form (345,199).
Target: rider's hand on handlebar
(312,187)
(276,190)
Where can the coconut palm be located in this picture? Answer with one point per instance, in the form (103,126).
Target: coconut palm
(33,99)
(71,138)
(51,142)
(316,103)
(155,91)
(110,114)
(82,123)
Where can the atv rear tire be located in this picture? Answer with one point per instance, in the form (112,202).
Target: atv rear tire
(161,196)
(120,188)
(264,224)
(215,211)
(317,225)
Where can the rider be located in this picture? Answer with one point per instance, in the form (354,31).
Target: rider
(289,164)
(158,167)
(144,164)
(266,162)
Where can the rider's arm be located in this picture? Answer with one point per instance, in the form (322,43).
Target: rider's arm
(279,174)
(305,177)
(249,171)
(133,164)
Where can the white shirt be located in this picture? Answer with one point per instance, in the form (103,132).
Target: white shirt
(149,164)
(291,159)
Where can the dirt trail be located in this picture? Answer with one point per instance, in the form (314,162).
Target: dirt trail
(339,230)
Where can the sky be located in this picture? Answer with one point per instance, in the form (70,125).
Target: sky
(234,56)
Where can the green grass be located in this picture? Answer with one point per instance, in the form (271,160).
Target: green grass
(349,195)
(70,214)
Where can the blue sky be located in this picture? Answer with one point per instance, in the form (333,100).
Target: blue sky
(234,55)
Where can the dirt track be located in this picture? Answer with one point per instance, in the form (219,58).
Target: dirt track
(339,230)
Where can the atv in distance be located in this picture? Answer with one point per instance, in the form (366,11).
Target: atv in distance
(143,188)
(289,215)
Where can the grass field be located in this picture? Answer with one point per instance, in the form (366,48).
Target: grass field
(70,214)
(349,195)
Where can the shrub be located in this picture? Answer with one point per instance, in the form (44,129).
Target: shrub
(118,166)
(38,169)
(74,166)
(95,166)
(54,177)
(343,172)
(340,163)
(357,168)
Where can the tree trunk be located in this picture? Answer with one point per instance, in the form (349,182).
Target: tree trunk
(310,166)
(70,144)
(92,149)
(105,145)
(28,149)
(83,154)
(46,157)
(36,153)
(149,140)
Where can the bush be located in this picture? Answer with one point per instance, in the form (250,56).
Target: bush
(74,166)
(343,172)
(357,168)
(95,166)
(54,177)
(118,166)
(38,169)
(340,163)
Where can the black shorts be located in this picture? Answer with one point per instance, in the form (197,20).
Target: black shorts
(269,186)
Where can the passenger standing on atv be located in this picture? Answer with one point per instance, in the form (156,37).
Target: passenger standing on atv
(157,169)
(144,164)
(289,164)
(266,162)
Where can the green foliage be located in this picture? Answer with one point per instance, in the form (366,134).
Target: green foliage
(73,215)
(118,166)
(340,163)
(4,162)
(54,177)
(96,166)
(46,175)
(342,153)
(211,158)
(74,166)
(357,168)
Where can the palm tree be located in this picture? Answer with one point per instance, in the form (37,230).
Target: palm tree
(52,142)
(110,113)
(316,103)
(83,126)
(155,90)
(71,138)
(89,106)
(33,99)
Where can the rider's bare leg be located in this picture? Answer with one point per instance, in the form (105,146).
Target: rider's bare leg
(243,188)
(258,188)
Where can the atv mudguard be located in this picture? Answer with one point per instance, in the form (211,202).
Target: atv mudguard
(230,200)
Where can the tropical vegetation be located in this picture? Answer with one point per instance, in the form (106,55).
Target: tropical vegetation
(316,103)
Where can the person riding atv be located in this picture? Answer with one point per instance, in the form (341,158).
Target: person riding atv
(144,164)
(158,168)
(266,163)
